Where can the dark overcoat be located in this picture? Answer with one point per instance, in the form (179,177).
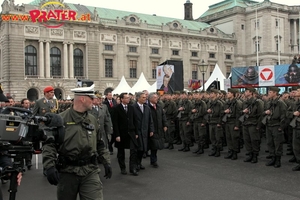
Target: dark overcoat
(159,122)
(143,125)
(123,125)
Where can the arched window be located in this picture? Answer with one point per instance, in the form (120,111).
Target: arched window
(55,62)
(78,62)
(30,61)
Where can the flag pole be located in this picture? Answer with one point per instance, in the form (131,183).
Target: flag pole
(278,32)
(256,29)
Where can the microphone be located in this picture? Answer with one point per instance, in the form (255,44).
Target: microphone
(52,120)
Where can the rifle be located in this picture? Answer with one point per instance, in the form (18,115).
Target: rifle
(209,115)
(271,108)
(293,123)
(245,116)
(224,118)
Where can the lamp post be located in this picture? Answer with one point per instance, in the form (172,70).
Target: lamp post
(203,68)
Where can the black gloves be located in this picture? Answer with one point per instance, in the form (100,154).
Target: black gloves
(108,171)
(52,176)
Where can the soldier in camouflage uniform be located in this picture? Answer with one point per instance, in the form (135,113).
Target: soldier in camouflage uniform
(185,127)
(215,111)
(252,110)
(199,123)
(170,110)
(72,164)
(232,110)
(275,116)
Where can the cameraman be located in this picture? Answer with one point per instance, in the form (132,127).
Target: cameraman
(75,170)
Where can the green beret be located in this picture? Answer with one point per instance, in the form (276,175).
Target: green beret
(215,91)
(223,92)
(250,89)
(176,92)
(232,90)
(274,89)
(295,88)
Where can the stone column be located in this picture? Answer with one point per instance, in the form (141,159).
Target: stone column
(47,55)
(71,61)
(65,60)
(295,32)
(41,59)
(86,62)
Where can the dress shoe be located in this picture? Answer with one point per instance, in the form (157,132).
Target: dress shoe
(217,154)
(271,162)
(249,158)
(171,147)
(141,167)
(234,155)
(134,172)
(229,154)
(201,151)
(186,149)
(181,149)
(268,157)
(206,146)
(123,171)
(179,143)
(212,153)
(293,159)
(28,164)
(297,168)
(155,165)
(254,158)
(277,162)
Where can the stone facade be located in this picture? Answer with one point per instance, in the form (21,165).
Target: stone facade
(273,20)
(101,40)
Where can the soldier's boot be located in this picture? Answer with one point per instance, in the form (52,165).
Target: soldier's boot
(277,162)
(213,152)
(297,168)
(198,149)
(166,147)
(201,150)
(187,148)
(171,146)
(229,155)
(183,147)
(234,155)
(249,158)
(254,158)
(217,152)
(293,159)
(271,162)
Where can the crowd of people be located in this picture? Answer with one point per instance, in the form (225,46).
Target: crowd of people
(147,122)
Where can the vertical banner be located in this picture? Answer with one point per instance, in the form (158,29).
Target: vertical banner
(169,76)
(266,75)
(227,84)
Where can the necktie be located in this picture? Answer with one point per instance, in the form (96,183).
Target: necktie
(142,108)
(154,106)
(111,104)
(97,108)
(126,108)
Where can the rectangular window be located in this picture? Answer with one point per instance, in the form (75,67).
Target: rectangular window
(256,23)
(175,53)
(257,46)
(228,71)
(108,47)
(108,68)
(194,71)
(242,26)
(194,54)
(132,68)
(155,51)
(211,55)
(132,49)
(277,22)
(228,57)
(154,65)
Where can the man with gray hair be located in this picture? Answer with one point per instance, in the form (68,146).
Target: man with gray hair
(143,125)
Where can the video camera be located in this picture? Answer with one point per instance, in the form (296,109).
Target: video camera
(21,134)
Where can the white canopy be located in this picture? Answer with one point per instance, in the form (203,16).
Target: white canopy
(140,85)
(68,97)
(153,87)
(122,87)
(216,75)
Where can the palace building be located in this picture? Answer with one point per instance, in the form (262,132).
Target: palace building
(105,44)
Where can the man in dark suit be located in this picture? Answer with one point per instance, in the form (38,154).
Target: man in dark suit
(143,125)
(160,127)
(110,102)
(125,133)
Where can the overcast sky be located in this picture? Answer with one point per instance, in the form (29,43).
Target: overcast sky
(166,8)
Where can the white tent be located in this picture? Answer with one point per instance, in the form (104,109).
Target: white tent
(122,87)
(153,87)
(216,75)
(68,97)
(140,85)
